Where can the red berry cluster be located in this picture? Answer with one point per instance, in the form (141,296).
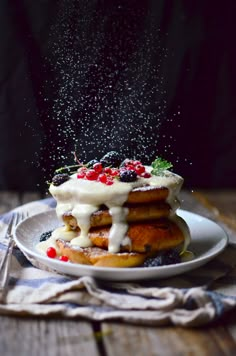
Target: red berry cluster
(136,166)
(98,173)
(107,175)
(52,253)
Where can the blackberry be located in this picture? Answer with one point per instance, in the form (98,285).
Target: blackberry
(91,163)
(45,235)
(58,179)
(112,159)
(167,258)
(128,175)
(172,257)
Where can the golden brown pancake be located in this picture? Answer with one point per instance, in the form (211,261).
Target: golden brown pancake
(99,257)
(147,240)
(152,236)
(136,212)
(147,194)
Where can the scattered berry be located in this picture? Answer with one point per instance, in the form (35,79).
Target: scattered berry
(45,235)
(81,172)
(102,178)
(109,181)
(128,175)
(145,175)
(64,258)
(126,162)
(114,172)
(139,169)
(112,159)
(130,167)
(91,174)
(98,167)
(58,179)
(81,175)
(107,170)
(91,163)
(167,258)
(51,252)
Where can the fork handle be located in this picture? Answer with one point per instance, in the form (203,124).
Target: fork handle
(4,269)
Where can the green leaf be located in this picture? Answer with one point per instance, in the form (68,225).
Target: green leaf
(159,166)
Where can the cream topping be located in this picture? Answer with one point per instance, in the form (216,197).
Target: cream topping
(118,229)
(60,232)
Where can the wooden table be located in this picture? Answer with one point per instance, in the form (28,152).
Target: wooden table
(31,337)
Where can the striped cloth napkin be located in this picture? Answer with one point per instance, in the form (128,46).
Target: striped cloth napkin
(192,299)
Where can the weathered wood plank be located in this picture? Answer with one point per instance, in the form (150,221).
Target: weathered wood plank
(30,196)
(123,339)
(8,201)
(29,337)
(221,203)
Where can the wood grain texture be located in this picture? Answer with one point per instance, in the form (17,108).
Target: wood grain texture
(167,341)
(37,337)
(30,196)
(8,201)
(221,203)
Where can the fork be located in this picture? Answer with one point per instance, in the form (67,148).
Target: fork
(6,261)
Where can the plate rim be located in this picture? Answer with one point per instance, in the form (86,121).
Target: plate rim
(201,260)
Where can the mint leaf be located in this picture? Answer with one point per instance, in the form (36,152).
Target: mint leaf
(159,166)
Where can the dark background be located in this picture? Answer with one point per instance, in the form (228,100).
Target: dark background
(144,77)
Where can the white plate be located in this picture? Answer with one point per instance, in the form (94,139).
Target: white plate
(207,240)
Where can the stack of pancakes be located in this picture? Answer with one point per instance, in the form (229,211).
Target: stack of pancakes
(153,227)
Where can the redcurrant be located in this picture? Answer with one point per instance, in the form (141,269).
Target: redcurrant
(146,175)
(139,169)
(107,170)
(102,178)
(114,172)
(51,252)
(109,182)
(81,175)
(91,174)
(130,167)
(64,258)
(135,163)
(98,167)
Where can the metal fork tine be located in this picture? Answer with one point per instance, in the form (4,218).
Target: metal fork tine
(11,224)
(5,263)
(19,217)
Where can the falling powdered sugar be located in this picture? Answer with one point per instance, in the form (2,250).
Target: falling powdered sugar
(108,92)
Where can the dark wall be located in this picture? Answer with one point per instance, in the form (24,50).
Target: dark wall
(144,77)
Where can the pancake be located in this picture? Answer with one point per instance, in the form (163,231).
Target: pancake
(136,212)
(152,236)
(99,257)
(147,194)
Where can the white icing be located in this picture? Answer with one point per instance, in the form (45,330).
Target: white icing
(61,232)
(119,228)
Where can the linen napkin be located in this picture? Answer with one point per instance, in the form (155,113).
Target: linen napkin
(192,299)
